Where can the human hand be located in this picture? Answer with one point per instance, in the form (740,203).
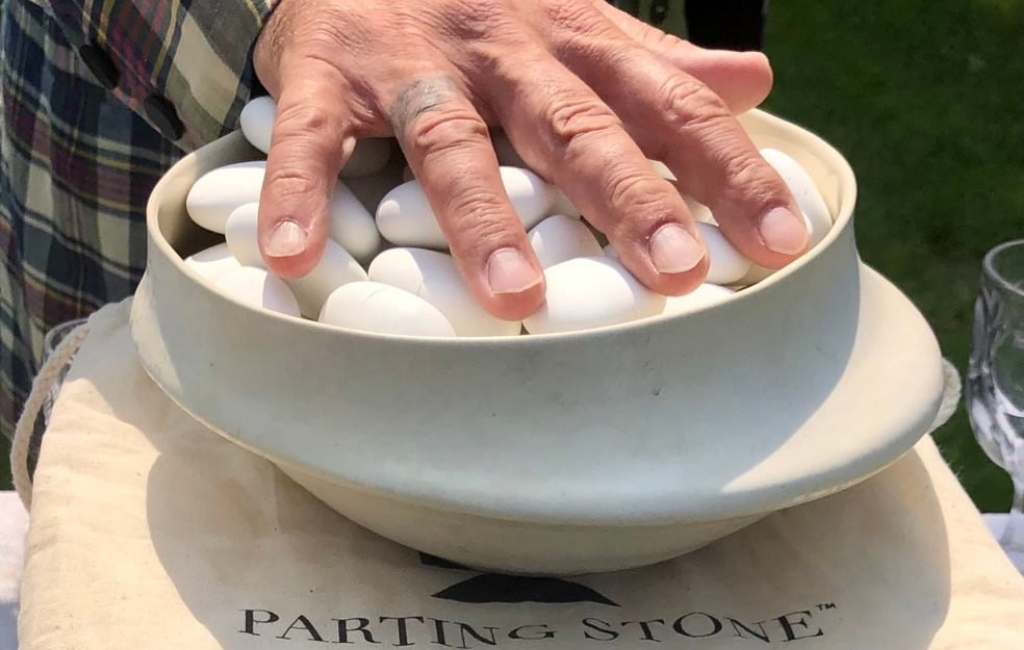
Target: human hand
(587,95)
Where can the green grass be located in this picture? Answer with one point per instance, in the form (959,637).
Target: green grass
(925,100)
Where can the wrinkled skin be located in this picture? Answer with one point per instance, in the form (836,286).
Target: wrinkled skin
(586,93)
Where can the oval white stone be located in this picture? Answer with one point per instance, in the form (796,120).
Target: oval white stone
(560,204)
(703,296)
(509,157)
(218,193)
(434,277)
(590,292)
(808,196)
(352,225)
(241,236)
(213,262)
(661,169)
(382,308)
(405,216)
(727,265)
(258,288)
(699,211)
(335,269)
(257,124)
(560,238)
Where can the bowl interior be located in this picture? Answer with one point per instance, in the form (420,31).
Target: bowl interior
(178,236)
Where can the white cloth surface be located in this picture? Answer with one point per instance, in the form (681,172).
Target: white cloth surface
(148,531)
(13,527)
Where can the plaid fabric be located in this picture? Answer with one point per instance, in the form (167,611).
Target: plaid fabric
(78,159)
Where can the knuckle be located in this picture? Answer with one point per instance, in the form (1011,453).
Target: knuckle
(573,15)
(289,181)
(633,192)
(629,186)
(471,19)
(572,118)
(446,129)
(581,32)
(477,218)
(484,221)
(304,118)
(657,39)
(688,104)
(751,179)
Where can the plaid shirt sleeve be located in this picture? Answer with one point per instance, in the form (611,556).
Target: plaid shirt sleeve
(184,65)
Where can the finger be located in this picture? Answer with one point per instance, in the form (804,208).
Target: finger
(742,79)
(448,147)
(678,120)
(563,130)
(310,142)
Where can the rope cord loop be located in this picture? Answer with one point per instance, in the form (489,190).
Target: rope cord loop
(41,387)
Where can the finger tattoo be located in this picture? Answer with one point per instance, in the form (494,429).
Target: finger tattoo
(418,97)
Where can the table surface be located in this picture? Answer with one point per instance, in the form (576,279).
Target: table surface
(14,526)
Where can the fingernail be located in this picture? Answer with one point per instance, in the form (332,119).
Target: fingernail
(508,271)
(673,250)
(288,239)
(783,232)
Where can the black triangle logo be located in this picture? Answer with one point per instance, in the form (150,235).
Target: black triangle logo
(499,588)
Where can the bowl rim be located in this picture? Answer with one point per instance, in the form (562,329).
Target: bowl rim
(808,140)
(906,416)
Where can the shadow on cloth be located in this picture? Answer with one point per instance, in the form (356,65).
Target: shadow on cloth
(234,534)
(250,553)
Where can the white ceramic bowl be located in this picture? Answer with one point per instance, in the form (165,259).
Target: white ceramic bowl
(568,453)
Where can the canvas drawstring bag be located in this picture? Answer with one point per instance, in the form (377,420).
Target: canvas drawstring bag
(149,531)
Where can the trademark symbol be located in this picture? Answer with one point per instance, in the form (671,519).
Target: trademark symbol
(824,607)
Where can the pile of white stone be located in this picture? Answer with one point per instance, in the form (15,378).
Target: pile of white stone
(386,267)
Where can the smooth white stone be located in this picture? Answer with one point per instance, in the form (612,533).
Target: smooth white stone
(560,238)
(257,124)
(258,288)
(213,262)
(703,296)
(807,195)
(221,191)
(335,269)
(383,309)
(434,277)
(405,217)
(727,265)
(699,211)
(240,233)
(591,292)
(352,225)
